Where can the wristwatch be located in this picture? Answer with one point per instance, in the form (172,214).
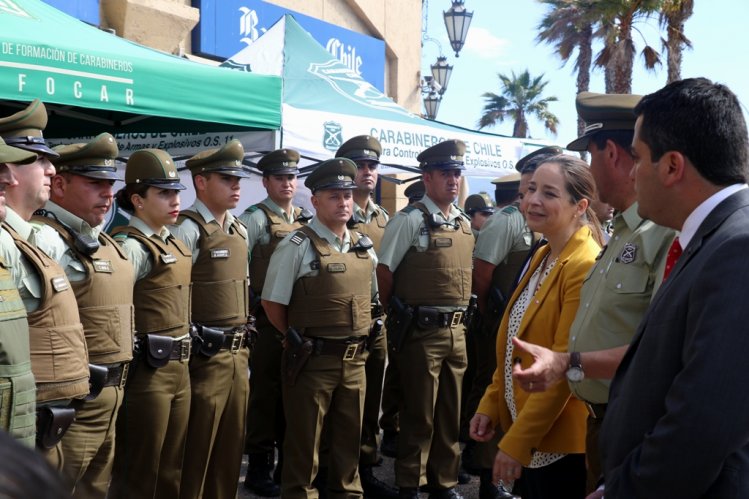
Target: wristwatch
(575,373)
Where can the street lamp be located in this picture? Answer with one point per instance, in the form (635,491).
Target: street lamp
(441,71)
(457,22)
(432,104)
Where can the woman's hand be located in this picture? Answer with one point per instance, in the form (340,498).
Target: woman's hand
(481,428)
(506,468)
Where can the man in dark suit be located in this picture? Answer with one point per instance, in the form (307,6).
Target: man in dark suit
(677,424)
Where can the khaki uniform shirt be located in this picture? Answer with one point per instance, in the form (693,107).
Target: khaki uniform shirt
(290,262)
(371,209)
(189,233)
(503,233)
(138,255)
(616,292)
(257,223)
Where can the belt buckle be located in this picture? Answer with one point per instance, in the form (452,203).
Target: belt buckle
(123,376)
(184,350)
(351,350)
(457,318)
(236,343)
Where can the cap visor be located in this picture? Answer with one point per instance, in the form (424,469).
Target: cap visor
(282,171)
(336,185)
(235,172)
(456,166)
(165,184)
(15,155)
(38,149)
(581,143)
(101,175)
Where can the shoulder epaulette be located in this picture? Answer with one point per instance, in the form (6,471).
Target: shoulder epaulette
(298,237)
(409,209)
(509,209)
(252,209)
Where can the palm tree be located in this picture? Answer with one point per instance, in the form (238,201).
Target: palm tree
(520,98)
(617,21)
(568,25)
(674,14)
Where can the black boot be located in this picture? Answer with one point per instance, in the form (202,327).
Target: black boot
(463,477)
(279,467)
(408,493)
(487,490)
(258,478)
(450,493)
(389,444)
(321,483)
(373,487)
(467,459)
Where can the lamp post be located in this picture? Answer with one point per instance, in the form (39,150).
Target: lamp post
(441,71)
(457,22)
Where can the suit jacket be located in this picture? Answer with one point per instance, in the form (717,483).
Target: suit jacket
(551,421)
(677,424)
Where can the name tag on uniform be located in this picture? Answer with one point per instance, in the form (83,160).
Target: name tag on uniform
(336,267)
(103,266)
(60,284)
(443,242)
(168,258)
(220,253)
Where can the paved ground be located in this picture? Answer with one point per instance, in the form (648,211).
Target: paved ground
(383,472)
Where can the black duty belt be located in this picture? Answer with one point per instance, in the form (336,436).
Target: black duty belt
(347,349)
(442,319)
(181,350)
(117,374)
(235,341)
(596,411)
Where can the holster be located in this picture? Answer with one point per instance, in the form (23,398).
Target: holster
(251,331)
(51,425)
(208,341)
(374,333)
(297,351)
(97,377)
(157,350)
(399,319)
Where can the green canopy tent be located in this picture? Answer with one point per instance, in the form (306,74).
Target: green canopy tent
(93,81)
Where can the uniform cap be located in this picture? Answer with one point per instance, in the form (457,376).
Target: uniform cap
(415,191)
(94,159)
(478,203)
(24,129)
(226,160)
(447,155)
(507,182)
(152,167)
(279,162)
(360,148)
(530,162)
(603,112)
(9,154)
(336,173)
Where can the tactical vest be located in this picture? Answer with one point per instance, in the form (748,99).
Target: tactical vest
(278,228)
(375,229)
(59,359)
(162,298)
(219,274)
(335,302)
(105,298)
(441,275)
(17,390)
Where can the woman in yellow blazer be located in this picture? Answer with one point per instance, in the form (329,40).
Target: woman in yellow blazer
(544,433)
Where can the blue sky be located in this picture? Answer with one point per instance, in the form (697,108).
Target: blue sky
(502,39)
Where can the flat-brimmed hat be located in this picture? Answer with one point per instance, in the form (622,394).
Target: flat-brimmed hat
(603,112)
(152,167)
(360,148)
(447,155)
(279,162)
(226,160)
(94,159)
(338,173)
(24,129)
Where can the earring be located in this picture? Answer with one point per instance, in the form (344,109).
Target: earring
(140,206)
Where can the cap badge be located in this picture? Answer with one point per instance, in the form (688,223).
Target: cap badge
(629,253)
(341,177)
(108,162)
(172,174)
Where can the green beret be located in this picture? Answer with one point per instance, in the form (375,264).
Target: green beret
(24,129)
(360,148)
(447,155)
(603,112)
(15,155)
(415,191)
(226,160)
(336,173)
(478,202)
(279,162)
(94,159)
(152,167)
(530,162)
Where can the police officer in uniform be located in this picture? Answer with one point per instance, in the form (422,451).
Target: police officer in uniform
(102,278)
(618,289)
(152,425)
(369,219)
(268,222)
(17,392)
(426,266)
(319,288)
(220,312)
(479,207)
(59,359)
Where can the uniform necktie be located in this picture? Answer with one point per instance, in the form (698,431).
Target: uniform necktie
(674,252)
